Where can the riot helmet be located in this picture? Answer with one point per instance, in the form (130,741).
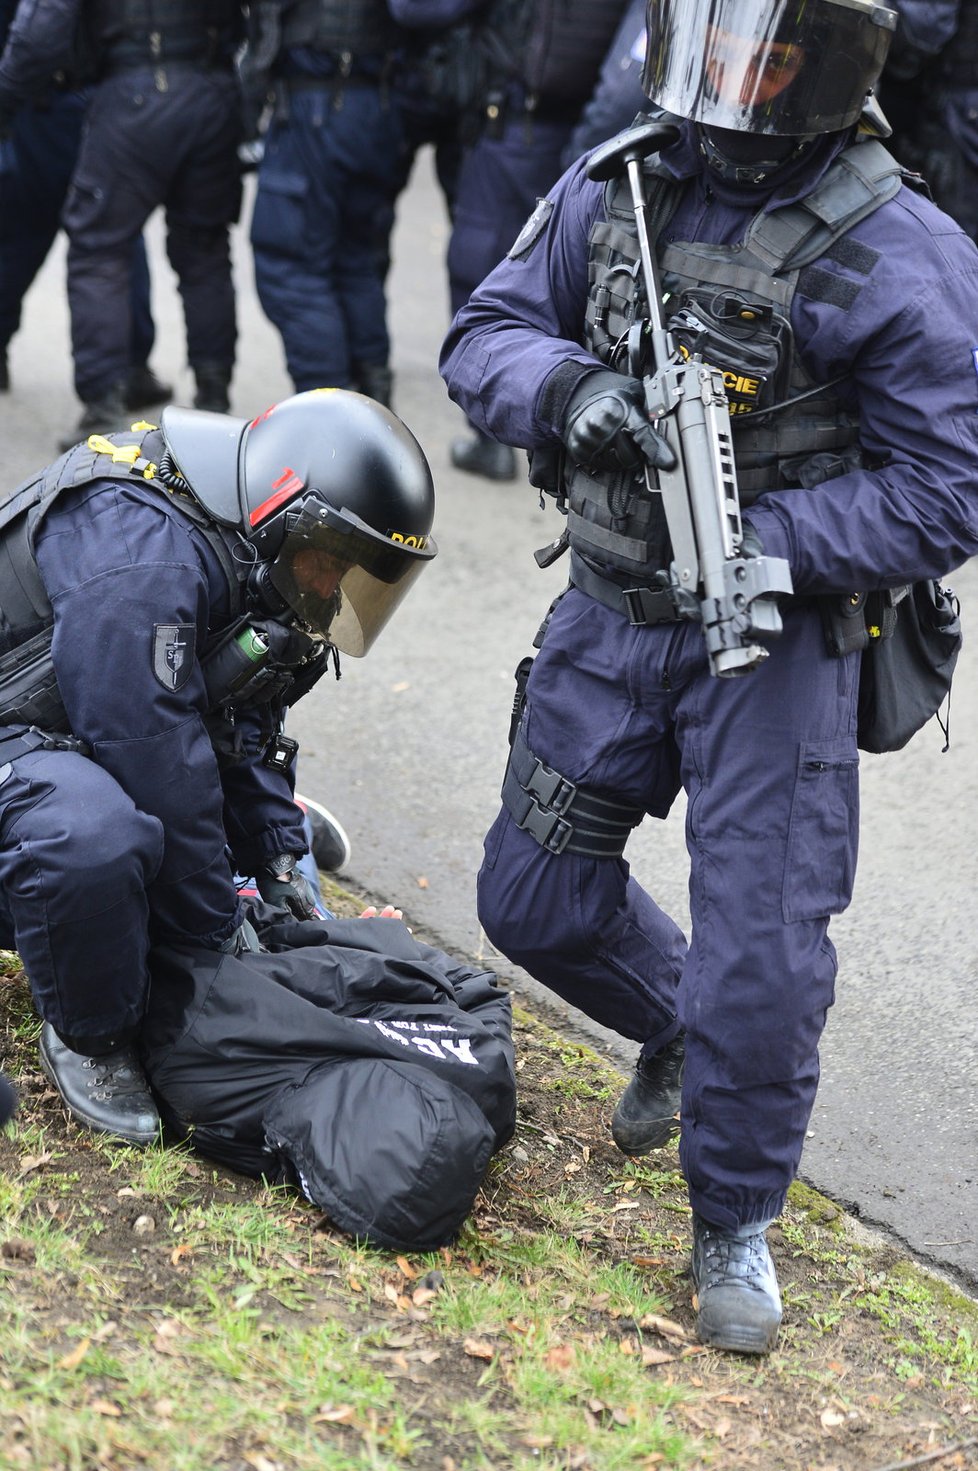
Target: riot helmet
(793,68)
(333,493)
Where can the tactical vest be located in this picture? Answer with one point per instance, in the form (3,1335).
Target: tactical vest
(154,32)
(29,692)
(733,304)
(359,27)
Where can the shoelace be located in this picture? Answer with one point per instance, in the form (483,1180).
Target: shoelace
(727,1258)
(113,1075)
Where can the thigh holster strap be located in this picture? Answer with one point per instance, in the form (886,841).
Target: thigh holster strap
(558,814)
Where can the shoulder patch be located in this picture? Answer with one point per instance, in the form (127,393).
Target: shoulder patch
(531,231)
(173,653)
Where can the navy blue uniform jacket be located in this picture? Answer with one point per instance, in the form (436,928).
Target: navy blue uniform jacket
(908,344)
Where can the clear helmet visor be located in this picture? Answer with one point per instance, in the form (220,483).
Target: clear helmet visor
(787,67)
(341,578)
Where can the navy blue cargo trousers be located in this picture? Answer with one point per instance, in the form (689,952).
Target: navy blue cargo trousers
(769,764)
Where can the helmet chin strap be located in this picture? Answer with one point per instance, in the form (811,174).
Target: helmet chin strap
(748,158)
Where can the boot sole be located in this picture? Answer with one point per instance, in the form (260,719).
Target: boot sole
(653,1137)
(738,1340)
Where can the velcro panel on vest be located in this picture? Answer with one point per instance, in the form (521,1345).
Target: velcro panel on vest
(560,815)
(861,179)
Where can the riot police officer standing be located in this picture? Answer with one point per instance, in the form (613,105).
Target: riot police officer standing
(830,294)
(162,128)
(168,594)
(40,132)
(327,182)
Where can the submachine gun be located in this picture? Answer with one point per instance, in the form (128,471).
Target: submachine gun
(710,579)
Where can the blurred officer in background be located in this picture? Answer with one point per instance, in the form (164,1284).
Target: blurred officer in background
(929,93)
(40,132)
(327,181)
(845,304)
(162,128)
(618,96)
(171,593)
(544,57)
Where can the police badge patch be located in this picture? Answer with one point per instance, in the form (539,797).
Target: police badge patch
(173,653)
(531,231)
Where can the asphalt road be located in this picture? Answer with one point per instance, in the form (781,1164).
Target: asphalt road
(409,748)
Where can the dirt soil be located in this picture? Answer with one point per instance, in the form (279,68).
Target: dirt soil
(834,1396)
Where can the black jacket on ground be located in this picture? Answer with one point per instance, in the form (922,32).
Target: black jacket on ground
(368,1069)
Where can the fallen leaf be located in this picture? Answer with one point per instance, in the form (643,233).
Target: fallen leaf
(560,1358)
(260,1462)
(477,1348)
(105,1407)
(665,1326)
(72,1360)
(647,1261)
(341,1415)
(656,1356)
(17,1250)
(422,882)
(391,1293)
(30,1162)
(422,1295)
(179,1252)
(354,1284)
(831,1419)
(427,1356)
(406,1268)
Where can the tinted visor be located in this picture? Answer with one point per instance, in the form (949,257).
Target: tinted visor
(341,578)
(766,66)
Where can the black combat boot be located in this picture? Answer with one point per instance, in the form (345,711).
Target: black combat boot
(480,455)
(144,389)
(736,1288)
(213,382)
(107,1092)
(376,382)
(4,373)
(106,414)
(645,1116)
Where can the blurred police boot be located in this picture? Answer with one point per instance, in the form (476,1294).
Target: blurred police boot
(106,414)
(4,373)
(739,1305)
(213,382)
(144,389)
(645,1116)
(8,1101)
(480,455)
(330,844)
(377,382)
(107,1092)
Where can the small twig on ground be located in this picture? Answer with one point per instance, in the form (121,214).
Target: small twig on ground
(948,1450)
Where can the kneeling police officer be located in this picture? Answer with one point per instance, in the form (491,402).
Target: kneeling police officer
(167,594)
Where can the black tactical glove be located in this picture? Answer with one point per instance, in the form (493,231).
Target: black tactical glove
(280,883)
(242,941)
(606,426)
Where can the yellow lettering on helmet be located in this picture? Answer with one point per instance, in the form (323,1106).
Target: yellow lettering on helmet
(420,542)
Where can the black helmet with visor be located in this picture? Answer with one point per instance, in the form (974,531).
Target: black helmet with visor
(334,493)
(785,67)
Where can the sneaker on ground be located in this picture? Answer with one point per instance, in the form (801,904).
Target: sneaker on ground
(739,1305)
(645,1118)
(108,1093)
(330,844)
